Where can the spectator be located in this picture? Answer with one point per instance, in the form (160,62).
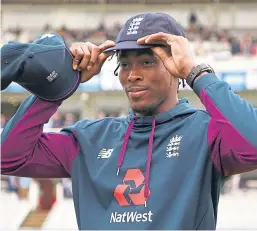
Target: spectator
(67,187)
(199,48)
(254,47)
(69,119)
(235,46)
(3,120)
(246,44)
(193,19)
(57,121)
(23,189)
(13,183)
(101,115)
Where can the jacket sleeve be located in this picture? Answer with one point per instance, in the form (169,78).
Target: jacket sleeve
(27,151)
(232,130)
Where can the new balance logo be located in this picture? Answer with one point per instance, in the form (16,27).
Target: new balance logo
(134,26)
(105,153)
(172,149)
(52,76)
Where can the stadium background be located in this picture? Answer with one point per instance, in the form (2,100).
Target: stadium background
(222,33)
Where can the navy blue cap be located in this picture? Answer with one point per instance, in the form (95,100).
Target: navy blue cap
(142,25)
(43,67)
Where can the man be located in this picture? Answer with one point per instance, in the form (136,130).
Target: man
(163,166)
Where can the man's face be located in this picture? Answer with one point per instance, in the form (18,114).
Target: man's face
(145,80)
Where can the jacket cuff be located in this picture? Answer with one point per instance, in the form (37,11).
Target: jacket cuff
(204,82)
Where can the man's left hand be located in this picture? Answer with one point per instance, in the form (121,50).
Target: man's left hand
(175,55)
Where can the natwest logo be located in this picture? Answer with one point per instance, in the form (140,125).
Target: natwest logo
(131,192)
(131,217)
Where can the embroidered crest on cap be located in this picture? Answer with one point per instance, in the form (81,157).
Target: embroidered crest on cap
(134,26)
(52,76)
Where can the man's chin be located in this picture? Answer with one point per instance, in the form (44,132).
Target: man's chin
(142,108)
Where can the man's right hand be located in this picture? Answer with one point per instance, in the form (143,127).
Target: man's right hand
(89,58)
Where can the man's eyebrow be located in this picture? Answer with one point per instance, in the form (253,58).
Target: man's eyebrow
(123,54)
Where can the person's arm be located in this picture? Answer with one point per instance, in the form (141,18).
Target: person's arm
(28,152)
(232,130)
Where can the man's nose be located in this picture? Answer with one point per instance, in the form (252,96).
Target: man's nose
(135,75)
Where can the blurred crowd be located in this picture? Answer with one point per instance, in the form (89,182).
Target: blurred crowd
(58,120)
(221,40)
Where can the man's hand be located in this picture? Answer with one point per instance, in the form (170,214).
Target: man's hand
(176,55)
(89,58)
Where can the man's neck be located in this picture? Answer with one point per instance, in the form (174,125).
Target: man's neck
(163,107)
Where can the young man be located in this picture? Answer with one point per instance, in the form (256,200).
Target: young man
(163,166)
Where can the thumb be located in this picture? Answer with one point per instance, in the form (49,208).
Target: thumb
(104,55)
(102,58)
(105,45)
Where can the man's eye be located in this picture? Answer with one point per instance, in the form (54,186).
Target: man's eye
(148,62)
(124,65)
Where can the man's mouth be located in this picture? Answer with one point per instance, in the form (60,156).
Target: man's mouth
(136,92)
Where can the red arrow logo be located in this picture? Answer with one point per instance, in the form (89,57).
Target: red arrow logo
(125,190)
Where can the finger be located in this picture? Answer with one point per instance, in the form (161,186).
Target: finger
(86,57)
(103,57)
(142,40)
(162,53)
(172,38)
(78,55)
(95,51)
(105,45)
(164,37)
(167,60)
(158,38)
